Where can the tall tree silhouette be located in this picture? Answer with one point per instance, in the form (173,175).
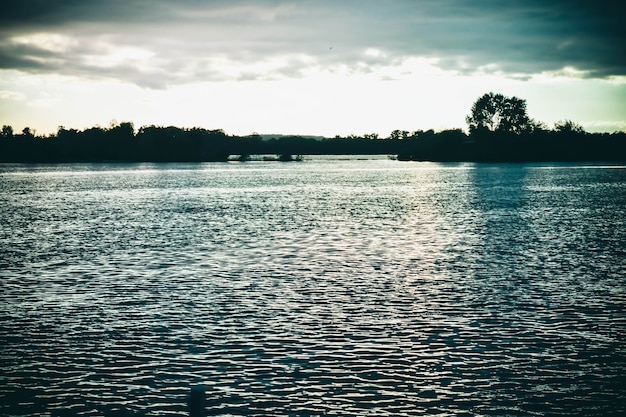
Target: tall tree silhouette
(498,113)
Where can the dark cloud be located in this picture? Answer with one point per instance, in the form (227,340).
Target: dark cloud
(192,40)
(51,13)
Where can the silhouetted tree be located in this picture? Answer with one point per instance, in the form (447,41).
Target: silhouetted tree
(27,133)
(568,126)
(7,131)
(399,135)
(498,113)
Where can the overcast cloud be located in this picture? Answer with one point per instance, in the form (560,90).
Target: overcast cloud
(156,43)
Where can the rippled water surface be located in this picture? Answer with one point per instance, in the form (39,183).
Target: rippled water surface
(328,287)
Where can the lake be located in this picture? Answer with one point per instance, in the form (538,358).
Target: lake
(332,286)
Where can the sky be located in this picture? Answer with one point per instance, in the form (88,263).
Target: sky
(308,67)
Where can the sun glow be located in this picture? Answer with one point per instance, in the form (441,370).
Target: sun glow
(296,94)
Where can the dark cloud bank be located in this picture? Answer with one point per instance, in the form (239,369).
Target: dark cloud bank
(191,40)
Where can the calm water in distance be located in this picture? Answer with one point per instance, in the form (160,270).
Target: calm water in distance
(328,287)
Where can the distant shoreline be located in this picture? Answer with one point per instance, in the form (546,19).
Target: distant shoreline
(122,143)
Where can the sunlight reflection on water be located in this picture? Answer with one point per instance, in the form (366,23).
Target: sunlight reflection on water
(332,287)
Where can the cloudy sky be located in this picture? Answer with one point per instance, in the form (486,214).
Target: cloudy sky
(320,67)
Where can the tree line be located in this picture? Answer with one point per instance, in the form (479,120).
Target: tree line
(499,130)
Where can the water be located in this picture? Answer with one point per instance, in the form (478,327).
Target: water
(328,287)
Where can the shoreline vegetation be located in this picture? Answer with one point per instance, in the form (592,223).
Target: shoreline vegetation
(499,131)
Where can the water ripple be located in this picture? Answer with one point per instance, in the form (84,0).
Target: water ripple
(343,288)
